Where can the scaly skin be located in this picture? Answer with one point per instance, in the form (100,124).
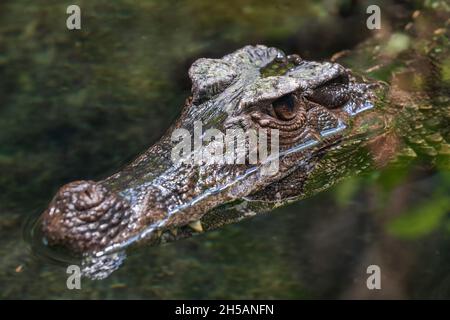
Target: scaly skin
(332,124)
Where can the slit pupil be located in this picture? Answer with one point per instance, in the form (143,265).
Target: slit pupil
(286,102)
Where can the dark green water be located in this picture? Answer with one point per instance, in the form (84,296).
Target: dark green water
(81,104)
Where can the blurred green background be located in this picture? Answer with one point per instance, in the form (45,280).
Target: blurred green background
(81,104)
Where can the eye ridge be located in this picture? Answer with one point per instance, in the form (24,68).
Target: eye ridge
(332,94)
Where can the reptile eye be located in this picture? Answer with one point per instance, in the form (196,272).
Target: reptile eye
(285,107)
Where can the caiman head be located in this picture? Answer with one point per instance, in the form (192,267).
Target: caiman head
(303,108)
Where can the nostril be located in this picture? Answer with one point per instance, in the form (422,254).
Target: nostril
(90,216)
(89,196)
(84,194)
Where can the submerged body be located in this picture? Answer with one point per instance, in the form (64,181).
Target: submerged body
(331,123)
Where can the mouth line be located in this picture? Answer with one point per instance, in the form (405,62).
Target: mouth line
(162,224)
(347,108)
(64,258)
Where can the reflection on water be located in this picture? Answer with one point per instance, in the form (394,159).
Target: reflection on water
(78,105)
(37,243)
(319,247)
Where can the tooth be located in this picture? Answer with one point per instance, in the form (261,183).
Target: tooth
(196,225)
(174,232)
(317,136)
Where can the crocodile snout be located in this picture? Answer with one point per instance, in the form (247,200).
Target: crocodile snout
(85,216)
